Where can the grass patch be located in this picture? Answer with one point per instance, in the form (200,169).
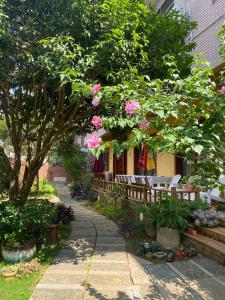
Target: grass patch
(110,211)
(22,288)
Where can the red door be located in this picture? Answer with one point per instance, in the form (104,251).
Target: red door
(120,164)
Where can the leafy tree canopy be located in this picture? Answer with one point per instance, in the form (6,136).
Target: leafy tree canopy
(52,51)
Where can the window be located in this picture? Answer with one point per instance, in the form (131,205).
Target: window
(214,1)
(167,5)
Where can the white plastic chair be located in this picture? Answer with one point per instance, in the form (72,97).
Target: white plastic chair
(175,181)
(211,195)
(222,179)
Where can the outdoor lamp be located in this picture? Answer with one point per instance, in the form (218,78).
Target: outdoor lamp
(141,216)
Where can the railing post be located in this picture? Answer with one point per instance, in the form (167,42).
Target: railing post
(145,194)
(174,192)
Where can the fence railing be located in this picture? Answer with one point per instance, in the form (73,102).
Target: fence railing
(144,193)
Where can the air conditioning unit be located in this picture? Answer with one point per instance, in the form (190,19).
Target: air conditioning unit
(180,8)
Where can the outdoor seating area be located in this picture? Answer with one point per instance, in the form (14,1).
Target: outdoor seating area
(153,188)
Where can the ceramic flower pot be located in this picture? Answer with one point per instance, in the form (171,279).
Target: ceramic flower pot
(192,231)
(16,255)
(168,238)
(149,227)
(180,254)
(54,234)
(188,187)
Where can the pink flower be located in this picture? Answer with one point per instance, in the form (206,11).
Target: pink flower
(94,142)
(222,91)
(96,88)
(96,101)
(144,124)
(131,107)
(97,122)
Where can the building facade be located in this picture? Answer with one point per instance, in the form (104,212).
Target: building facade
(209,15)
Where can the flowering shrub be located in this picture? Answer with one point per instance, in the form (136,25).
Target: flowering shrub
(131,107)
(94,142)
(207,218)
(144,124)
(222,91)
(96,101)
(97,122)
(95,89)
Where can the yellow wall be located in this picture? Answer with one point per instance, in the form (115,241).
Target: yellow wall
(130,161)
(166,164)
(110,159)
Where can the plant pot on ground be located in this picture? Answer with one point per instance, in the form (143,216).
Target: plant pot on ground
(21,228)
(168,237)
(149,226)
(19,253)
(170,217)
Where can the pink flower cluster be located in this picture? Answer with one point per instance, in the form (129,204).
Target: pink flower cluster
(96,101)
(144,124)
(95,89)
(222,91)
(131,107)
(94,142)
(97,122)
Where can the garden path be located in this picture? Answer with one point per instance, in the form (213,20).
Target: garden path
(95,265)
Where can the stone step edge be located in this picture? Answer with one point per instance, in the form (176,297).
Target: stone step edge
(222,222)
(217,250)
(212,233)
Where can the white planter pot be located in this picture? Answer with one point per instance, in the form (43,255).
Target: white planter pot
(168,238)
(221,214)
(18,255)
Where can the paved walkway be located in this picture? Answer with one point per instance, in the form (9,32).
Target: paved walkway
(95,265)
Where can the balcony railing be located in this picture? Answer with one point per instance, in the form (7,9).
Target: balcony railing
(144,193)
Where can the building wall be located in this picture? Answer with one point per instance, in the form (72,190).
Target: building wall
(111,160)
(209,14)
(165,164)
(130,161)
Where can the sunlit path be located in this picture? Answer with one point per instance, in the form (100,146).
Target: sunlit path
(95,265)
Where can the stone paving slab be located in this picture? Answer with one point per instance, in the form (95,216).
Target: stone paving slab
(189,270)
(50,294)
(94,265)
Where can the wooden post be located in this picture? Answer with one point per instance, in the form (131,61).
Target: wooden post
(174,192)
(145,194)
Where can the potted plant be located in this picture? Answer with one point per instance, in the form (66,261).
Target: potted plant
(170,217)
(208,218)
(221,211)
(22,228)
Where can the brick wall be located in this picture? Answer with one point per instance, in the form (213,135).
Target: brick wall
(209,16)
(56,171)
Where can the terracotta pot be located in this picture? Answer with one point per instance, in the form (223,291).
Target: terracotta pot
(192,231)
(188,187)
(180,254)
(54,234)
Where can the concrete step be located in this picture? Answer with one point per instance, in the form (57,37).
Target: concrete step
(222,223)
(217,233)
(207,246)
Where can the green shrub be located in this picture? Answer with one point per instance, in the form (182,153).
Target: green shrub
(110,211)
(170,213)
(22,225)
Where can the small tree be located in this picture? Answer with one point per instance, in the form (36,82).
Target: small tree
(45,87)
